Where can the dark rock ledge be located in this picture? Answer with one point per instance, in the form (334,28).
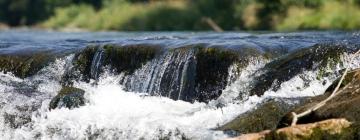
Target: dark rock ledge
(338,119)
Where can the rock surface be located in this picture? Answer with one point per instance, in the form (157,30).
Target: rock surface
(186,73)
(24,65)
(68,97)
(321,124)
(332,129)
(320,56)
(344,105)
(265,116)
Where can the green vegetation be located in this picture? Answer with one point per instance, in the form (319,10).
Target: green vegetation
(28,12)
(152,15)
(23,65)
(330,15)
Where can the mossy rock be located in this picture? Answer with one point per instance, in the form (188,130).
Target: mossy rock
(129,58)
(68,97)
(265,116)
(24,65)
(344,105)
(120,59)
(320,56)
(84,59)
(212,67)
(206,71)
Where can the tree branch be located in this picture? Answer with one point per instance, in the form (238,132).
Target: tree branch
(322,103)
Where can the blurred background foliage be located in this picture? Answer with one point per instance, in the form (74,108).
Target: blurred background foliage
(157,15)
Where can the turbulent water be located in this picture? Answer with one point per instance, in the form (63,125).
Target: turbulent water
(160,99)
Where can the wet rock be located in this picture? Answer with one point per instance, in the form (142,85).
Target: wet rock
(199,73)
(82,64)
(16,120)
(24,65)
(92,60)
(129,58)
(332,129)
(200,78)
(320,56)
(19,115)
(265,116)
(212,66)
(344,105)
(68,97)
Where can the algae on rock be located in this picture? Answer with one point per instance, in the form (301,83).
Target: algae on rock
(24,65)
(69,97)
(318,57)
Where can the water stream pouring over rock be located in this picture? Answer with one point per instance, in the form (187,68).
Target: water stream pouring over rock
(159,86)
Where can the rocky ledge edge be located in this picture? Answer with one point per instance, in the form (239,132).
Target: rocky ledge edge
(338,119)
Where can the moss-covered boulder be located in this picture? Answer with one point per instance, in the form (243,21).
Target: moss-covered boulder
(344,105)
(319,57)
(68,97)
(190,73)
(212,67)
(24,65)
(200,73)
(120,59)
(265,116)
(129,58)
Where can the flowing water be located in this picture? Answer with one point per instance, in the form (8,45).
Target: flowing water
(161,98)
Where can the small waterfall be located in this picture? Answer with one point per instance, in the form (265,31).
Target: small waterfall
(168,75)
(96,64)
(116,106)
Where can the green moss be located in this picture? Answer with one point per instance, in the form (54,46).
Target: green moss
(69,90)
(84,59)
(212,66)
(120,59)
(129,58)
(319,57)
(265,116)
(69,97)
(23,65)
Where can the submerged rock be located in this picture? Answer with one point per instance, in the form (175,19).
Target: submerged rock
(319,57)
(68,97)
(332,129)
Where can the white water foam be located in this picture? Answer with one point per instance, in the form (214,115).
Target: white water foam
(20,98)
